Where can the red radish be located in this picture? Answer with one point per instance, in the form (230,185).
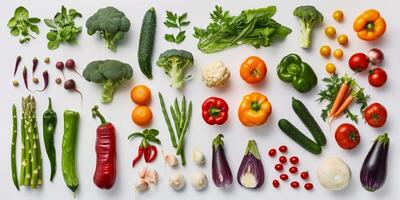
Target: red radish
(279,167)
(70,85)
(60,66)
(25,77)
(304,175)
(308,186)
(70,64)
(375,56)
(294,160)
(46,81)
(295,184)
(35,63)
(283,149)
(284,177)
(275,183)
(282,159)
(272,152)
(293,170)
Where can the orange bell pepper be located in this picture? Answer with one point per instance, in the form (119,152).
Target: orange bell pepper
(369,25)
(254,109)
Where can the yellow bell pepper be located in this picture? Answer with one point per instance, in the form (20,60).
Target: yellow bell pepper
(254,109)
(369,25)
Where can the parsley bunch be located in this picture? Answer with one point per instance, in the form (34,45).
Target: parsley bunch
(177,22)
(21,25)
(63,28)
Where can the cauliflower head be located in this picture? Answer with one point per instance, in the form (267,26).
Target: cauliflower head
(215,74)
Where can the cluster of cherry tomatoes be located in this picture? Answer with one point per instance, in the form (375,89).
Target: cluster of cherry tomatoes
(293,169)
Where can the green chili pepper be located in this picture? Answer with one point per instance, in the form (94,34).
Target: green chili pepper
(68,161)
(293,70)
(14,147)
(49,128)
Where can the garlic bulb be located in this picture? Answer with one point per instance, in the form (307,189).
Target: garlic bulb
(151,176)
(171,160)
(177,181)
(198,157)
(199,180)
(141,185)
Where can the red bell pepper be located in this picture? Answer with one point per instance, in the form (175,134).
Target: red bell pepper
(105,174)
(215,111)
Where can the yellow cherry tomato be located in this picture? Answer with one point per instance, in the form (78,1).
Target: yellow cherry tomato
(325,50)
(338,53)
(338,15)
(343,39)
(330,68)
(330,31)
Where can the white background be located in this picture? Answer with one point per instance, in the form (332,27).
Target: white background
(199,134)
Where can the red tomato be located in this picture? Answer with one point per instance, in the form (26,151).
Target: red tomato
(295,184)
(347,136)
(294,160)
(308,186)
(375,115)
(284,177)
(377,77)
(282,159)
(272,152)
(275,183)
(293,170)
(358,62)
(278,167)
(304,175)
(283,148)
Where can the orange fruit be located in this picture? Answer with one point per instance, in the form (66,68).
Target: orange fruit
(142,115)
(141,95)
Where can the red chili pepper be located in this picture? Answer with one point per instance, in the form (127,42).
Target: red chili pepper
(154,154)
(147,152)
(215,111)
(105,174)
(138,157)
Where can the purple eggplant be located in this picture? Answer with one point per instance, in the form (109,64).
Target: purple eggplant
(221,173)
(251,171)
(373,170)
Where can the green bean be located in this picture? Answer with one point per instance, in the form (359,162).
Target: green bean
(178,111)
(14,147)
(181,139)
(176,121)
(183,111)
(167,120)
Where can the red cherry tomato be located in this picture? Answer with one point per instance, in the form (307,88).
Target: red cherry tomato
(293,170)
(294,160)
(272,152)
(308,186)
(358,62)
(375,115)
(282,159)
(279,167)
(304,175)
(275,183)
(347,136)
(295,184)
(377,77)
(283,149)
(284,177)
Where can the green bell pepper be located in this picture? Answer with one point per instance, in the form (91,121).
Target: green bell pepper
(293,70)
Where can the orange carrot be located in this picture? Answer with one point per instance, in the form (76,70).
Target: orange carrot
(339,97)
(343,107)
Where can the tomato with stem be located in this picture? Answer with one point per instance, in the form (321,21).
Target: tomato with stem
(347,136)
(375,115)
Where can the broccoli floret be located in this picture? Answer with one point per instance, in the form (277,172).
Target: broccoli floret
(174,62)
(110,73)
(309,17)
(110,23)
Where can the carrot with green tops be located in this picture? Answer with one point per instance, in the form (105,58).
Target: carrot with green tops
(339,98)
(343,106)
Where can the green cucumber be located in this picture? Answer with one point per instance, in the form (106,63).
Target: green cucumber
(146,42)
(68,160)
(295,134)
(309,121)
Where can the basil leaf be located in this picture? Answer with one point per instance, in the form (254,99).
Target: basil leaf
(50,23)
(34,20)
(12,23)
(35,29)
(15,31)
(52,35)
(21,13)
(53,44)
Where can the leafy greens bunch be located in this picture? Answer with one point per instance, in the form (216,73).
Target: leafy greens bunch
(177,22)
(21,25)
(254,27)
(63,28)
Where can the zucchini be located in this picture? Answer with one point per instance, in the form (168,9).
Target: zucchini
(146,42)
(309,121)
(68,160)
(295,134)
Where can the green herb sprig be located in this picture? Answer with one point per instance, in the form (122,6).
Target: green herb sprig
(62,28)
(178,22)
(22,25)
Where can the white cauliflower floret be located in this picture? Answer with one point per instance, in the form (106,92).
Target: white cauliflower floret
(215,74)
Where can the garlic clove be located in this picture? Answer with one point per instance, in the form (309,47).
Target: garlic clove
(142,172)
(177,181)
(199,180)
(171,160)
(141,185)
(198,157)
(151,176)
